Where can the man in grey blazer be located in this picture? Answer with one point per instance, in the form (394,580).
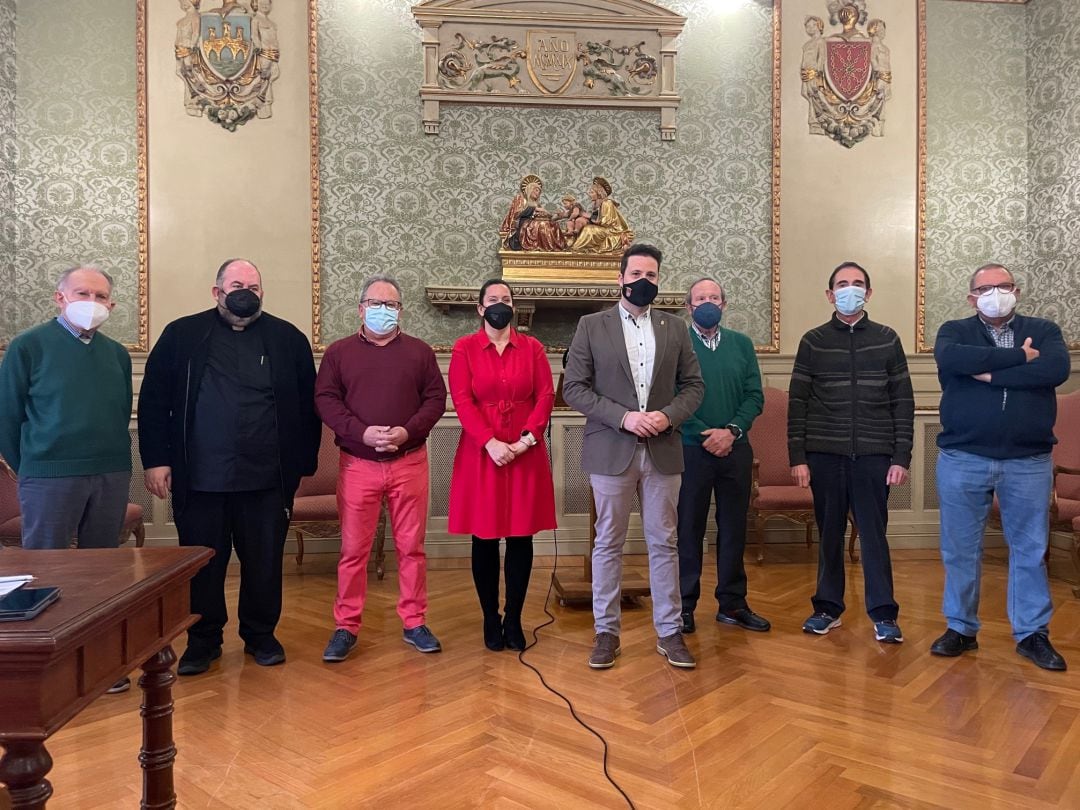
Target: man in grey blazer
(634,375)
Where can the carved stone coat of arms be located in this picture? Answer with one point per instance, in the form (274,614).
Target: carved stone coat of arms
(227,58)
(846,75)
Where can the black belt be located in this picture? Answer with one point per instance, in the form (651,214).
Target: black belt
(396,456)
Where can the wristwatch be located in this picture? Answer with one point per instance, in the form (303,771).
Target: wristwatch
(528,439)
(736,431)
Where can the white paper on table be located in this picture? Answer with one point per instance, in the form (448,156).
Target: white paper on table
(13,583)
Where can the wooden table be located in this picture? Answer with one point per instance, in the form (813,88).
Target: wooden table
(119,609)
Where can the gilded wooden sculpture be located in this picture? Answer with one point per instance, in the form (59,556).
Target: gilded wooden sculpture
(846,76)
(227,58)
(565,244)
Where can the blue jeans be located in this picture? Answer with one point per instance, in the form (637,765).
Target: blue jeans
(966,487)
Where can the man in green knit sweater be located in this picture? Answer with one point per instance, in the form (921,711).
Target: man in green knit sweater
(718,460)
(65,404)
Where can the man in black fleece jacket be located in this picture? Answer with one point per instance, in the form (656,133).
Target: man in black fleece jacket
(998,371)
(851,417)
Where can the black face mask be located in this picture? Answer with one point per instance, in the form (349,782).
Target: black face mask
(498,315)
(242,303)
(640,293)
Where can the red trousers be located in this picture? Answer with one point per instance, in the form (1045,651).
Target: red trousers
(361,487)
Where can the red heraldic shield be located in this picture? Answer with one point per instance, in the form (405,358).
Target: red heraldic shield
(847,67)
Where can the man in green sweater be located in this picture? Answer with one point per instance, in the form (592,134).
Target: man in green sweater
(65,404)
(718,460)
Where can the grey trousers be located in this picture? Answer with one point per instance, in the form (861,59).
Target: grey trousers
(57,510)
(614,497)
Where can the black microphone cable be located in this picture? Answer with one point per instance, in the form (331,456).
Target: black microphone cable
(536,639)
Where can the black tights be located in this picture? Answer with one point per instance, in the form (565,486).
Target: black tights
(485,571)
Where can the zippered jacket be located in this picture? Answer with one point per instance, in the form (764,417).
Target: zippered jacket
(850,393)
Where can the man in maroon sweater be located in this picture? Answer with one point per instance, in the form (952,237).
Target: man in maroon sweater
(381,392)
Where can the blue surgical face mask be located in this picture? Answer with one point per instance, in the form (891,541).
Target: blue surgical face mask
(380,320)
(707,315)
(849,300)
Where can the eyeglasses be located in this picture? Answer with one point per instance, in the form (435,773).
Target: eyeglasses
(1005,287)
(375,302)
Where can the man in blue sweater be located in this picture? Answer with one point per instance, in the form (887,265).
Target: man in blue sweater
(998,371)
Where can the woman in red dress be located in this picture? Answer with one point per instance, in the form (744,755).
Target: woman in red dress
(501,385)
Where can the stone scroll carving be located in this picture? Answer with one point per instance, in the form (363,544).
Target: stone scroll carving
(604,53)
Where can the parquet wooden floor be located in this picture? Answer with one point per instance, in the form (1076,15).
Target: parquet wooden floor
(772,720)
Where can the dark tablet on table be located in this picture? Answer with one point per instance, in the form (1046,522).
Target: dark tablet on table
(26,603)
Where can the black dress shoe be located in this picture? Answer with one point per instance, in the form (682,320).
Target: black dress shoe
(513,635)
(267,655)
(493,633)
(688,623)
(952,644)
(1038,648)
(744,618)
(196,660)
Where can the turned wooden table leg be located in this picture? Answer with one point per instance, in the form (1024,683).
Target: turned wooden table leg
(158,751)
(22,769)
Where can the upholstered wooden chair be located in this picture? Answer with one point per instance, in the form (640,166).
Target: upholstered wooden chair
(10,521)
(1065,495)
(772,492)
(1076,555)
(315,506)
(11,517)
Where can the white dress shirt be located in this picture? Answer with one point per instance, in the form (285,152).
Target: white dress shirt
(641,351)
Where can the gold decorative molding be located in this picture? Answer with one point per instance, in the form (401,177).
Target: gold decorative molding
(142,179)
(774,344)
(584,295)
(920,193)
(538,265)
(313,169)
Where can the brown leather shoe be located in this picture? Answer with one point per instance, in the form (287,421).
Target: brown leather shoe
(674,649)
(604,651)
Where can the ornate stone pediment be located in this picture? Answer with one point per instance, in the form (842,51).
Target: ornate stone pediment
(565,53)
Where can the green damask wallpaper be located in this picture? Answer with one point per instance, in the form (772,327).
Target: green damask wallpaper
(75,190)
(7,167)
(1053,282)
(427,209)
(977,149)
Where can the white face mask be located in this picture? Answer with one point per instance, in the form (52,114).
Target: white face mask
(995,303)
(86,315)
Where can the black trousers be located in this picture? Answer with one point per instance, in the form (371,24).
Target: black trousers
(255,524)
(839,484)
(728,479)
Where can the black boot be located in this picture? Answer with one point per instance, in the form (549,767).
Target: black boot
(485,573)
(518,569)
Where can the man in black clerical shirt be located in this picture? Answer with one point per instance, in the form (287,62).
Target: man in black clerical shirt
(227,423)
